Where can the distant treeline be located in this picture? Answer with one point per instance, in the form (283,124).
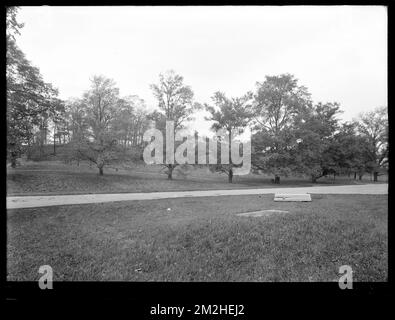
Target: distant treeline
(290,134)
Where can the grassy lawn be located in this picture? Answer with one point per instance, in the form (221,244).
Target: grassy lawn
(201,239)
(54,177)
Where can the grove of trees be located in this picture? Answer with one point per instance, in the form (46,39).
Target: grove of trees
(291,135)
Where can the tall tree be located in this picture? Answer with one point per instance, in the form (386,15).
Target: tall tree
(373,126)
(58,117)
(315,154)
(101,103)
(132,121)
(175,100)
(30,100)
(278,101)
(349,150)
(76,118)
(232,115)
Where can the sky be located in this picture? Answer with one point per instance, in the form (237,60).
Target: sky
(338,52)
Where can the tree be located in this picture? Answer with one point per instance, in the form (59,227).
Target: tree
(101,107)
(139,123)
(60,123)
(175,101)
(12,25)
(232,115)
(373,126)
(315,154)
(30,100)
(349,150)
(278,101)
(131,121)
(75,116)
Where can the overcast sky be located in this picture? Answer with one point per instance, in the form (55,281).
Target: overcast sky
(339,53)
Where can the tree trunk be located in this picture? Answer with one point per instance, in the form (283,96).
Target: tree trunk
(355,176)
(375,175)
(101,171)
(170,169)
(54,143)
(360,176)
(13,154)
(13,160)
(277,179)
(230,176)
(28,151)
(41,149)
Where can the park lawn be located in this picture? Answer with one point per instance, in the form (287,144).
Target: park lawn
(54,177)
(201,239)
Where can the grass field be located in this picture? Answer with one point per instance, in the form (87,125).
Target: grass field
(202,240)
(54,177)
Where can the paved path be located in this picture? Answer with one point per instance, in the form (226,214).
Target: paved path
(45,201)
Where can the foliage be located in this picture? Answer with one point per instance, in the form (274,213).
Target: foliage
(175,100)
(98,143)
(290,134)
(373,127)
(231,115)
(316,127)
(279,101)
(30,100)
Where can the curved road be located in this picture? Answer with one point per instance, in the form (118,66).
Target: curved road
(58,200)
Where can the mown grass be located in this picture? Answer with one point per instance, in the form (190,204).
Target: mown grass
(51,177)
(201,239)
